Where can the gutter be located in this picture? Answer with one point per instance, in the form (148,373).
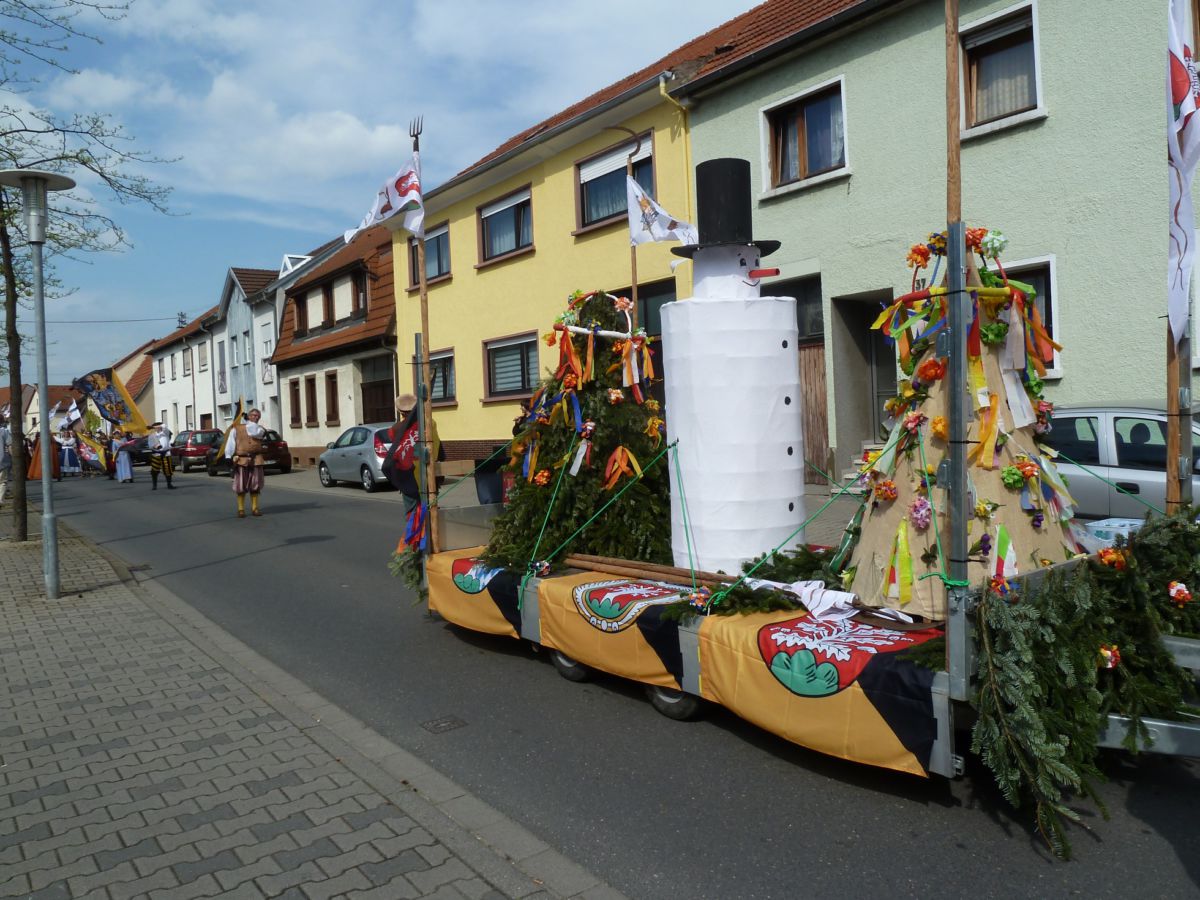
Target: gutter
(791,42)
(541,137)
(687,139)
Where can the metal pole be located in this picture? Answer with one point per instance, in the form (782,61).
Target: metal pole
(49,520)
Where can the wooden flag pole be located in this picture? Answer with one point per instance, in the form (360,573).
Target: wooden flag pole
(1179,420)
(633,290)
(426,391)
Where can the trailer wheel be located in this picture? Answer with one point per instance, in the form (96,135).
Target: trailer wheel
(568,668)
(672,703)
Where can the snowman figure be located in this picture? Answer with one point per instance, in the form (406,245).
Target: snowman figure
(732,389)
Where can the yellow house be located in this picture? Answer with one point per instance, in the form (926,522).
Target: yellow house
(509,238)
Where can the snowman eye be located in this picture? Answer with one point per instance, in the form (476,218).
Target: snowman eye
(742,261)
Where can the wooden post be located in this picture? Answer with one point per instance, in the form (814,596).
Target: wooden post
(633,313)
(425,392)
(1179,420)
(953,141)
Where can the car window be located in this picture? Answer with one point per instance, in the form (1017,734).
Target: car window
(384,435)
(271,436)
(181,439)
(1141,443)
(345,439)
(1074,437)
(360,435)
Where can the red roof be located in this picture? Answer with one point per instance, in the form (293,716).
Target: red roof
(27,393)
(180,333)
(254,280)
(141,377)
(759,28)
(63,393)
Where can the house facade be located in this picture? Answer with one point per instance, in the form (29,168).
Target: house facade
(508,239)
(335,362)
(136,373)
(59,396)
(840,108)
(239,333)
(181,374)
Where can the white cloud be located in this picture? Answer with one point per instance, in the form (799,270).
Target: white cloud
(96,90)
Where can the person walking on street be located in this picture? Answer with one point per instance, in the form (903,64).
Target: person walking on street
(69,448)
(244,448)
(5,458)
(159,448)
(120,450)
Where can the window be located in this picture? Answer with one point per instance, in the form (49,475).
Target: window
(248,347)
(162,371)
(187,362)
(1141,443)
(327,304)
(441,372)
(221,367)
(188,417)
(808,136)
(506,226)
(358,294)
(233,351)
(1000,63)
(810,318)
(601,179)
(268,347)
(331,398)
(437,255)
(511,365)
(1038,274)
(174,416)
(163,417)
(173,367)
(310,399)
(1075,438)
(203,357)
(294,400)
(300,307)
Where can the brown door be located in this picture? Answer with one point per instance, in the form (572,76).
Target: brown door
(813,412)
(378,400)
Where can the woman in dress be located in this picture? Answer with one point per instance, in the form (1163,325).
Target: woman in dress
(120,449)
(70,454)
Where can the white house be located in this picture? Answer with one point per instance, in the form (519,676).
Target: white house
(181,373)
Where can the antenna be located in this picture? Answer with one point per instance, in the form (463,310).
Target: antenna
(180,319)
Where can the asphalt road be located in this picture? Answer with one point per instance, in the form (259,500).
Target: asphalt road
(659,809)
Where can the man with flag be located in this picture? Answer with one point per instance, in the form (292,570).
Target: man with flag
(243,446)
(159,448)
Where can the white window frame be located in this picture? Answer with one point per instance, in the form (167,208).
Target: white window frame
(1030,115)
(1014,268)
(500,344)
(446,354)
(765,135)
(202,360)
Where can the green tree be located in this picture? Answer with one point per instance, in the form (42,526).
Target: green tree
(35,37)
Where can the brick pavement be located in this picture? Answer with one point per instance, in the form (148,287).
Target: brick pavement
(144,752)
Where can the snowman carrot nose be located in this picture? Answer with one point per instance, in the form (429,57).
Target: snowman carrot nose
(762,273)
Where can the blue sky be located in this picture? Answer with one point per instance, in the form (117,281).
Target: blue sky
(286,116)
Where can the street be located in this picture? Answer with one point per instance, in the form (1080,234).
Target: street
(658,809)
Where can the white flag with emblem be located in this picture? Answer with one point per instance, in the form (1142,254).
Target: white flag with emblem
(650,222)
(400,194)
(1183,151)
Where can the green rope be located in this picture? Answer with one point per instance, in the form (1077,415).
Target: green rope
(545,521)
(947,581)
(470,474)
(1149,506)
(687,526)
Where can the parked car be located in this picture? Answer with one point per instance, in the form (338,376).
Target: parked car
(138,454)
(1126,445)
(276,455)
(357,455)
(190,448)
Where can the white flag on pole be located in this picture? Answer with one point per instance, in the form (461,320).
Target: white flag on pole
(1183,152)
(400,194)
(73,413)
(650,222)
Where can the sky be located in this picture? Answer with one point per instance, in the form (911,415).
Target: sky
(283,118)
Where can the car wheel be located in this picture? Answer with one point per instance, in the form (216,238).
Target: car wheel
(672,703)
(284,468)
(323,474)
(568,668)
(212,472)
(370,485)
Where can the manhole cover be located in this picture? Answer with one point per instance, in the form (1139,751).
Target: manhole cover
(445,723)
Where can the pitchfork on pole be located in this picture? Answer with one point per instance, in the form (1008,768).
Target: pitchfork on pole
(414,132)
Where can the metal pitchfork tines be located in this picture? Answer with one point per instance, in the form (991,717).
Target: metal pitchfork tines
(414,131)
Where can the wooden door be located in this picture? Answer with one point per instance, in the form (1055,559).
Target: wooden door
(814,413)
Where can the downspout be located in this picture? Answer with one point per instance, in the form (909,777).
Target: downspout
(687,139)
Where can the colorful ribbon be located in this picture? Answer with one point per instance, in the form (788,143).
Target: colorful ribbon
(621,462)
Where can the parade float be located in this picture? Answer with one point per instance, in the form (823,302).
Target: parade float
(665,543)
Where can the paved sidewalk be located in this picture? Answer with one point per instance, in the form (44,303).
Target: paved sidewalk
(144,752)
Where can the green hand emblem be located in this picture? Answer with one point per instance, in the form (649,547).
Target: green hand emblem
(801,674)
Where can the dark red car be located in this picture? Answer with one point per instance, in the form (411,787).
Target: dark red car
(190,448)
(276,454)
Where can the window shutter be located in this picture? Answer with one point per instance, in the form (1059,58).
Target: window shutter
(612,161)
(507,203)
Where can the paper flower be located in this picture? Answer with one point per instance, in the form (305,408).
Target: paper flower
(918,256)
(937,242)
(868,459)
(1027,467)
(940,428)
(589,428)
(914,420)
(975,239)
(652,406)
(993,333)
(542,478)
(615,396)
(1112,557)
(541,568)
(699,599)
(920,513)
(1012,477)
(570,381)
(1110,656)
(985,508)
(999,585)
(623,304)
(1179,593)
(568,317)
(618,347)
(1038,520)
(885,490)
(933,369)
(993,243)
(551,339)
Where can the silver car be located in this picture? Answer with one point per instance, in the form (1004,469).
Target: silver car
(357,455)
(1127,445)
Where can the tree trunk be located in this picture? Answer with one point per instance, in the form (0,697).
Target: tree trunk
(15,392)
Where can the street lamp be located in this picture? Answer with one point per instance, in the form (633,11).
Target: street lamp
(34,186)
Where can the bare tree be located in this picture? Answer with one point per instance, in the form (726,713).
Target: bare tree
(35,35)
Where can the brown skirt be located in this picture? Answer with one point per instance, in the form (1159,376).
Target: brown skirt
(247,479)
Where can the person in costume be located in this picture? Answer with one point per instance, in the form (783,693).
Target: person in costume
(244,448)
(159,448)
(120,449)
(5,457)
(69,453)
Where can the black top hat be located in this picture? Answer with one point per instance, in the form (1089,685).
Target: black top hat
(723,207)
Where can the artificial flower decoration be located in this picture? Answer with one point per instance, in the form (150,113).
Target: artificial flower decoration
(652,406)
(940,428)
(975,239)
(993,243)
(885,490)
(1179,593)
(618,347)
(1110,656)
(999,585)
(541,568)
(654,429)
(1112,557)
(1012,477)
(542,478)
(993,333)
(615,396)
(568,317)
(699,599)
(570,381)
(914,420)
(918,256)
(920,513)
(985,508)
(1027,467)
(588,429)
(937,242)
(1038,520)
(933,369)
(623,304)
(551,339)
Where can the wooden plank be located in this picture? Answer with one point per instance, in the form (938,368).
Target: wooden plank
(813,410)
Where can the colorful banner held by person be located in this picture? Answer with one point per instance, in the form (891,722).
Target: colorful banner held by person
(104,388)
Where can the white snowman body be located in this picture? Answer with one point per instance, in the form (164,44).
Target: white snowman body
(733,403)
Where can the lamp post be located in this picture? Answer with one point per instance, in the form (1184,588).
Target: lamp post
(34,186)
